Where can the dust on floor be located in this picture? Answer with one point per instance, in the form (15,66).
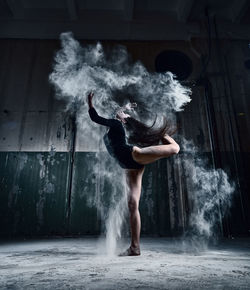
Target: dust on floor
(80,264)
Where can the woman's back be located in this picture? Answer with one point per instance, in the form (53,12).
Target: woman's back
(115,141)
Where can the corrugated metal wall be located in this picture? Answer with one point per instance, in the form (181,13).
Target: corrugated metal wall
(39,173)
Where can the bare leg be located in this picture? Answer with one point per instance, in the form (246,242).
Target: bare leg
(150,154)
(134,180)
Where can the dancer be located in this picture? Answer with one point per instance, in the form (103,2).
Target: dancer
(133,158)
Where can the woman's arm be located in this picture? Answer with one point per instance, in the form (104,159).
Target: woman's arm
(95,117)
(90,97)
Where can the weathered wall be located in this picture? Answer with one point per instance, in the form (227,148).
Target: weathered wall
(36,138)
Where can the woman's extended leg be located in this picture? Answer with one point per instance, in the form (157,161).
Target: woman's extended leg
(150,154)
(134,182)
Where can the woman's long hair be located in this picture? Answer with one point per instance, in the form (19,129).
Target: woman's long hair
(144,135)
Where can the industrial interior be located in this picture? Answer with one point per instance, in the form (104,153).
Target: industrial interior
(54,208)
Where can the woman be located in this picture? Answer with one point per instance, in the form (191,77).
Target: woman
(134,158)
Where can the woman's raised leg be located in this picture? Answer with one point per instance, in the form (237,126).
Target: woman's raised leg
(150,154)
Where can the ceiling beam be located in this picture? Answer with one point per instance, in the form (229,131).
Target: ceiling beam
(98,30)
(119,30)
(72,10)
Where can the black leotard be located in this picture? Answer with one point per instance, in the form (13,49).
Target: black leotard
(115,141)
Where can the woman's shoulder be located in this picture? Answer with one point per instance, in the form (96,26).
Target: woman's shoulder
(116,122)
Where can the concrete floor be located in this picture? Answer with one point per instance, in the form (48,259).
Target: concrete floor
(77,264)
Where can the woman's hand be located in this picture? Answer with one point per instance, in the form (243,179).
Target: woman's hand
(90,97)
(133,105)
(130,106)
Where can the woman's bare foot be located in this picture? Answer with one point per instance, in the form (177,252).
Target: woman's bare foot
(131,251)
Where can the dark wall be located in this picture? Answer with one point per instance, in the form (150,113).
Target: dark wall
(42,181)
